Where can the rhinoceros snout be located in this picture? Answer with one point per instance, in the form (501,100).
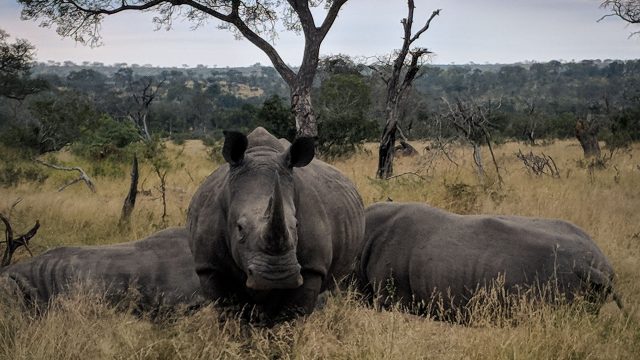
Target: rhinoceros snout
(261,277)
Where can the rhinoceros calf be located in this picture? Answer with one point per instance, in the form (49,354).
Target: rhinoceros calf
(418,255)
(274,227)
(158,270)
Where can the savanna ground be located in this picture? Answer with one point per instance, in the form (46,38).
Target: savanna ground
(605,202)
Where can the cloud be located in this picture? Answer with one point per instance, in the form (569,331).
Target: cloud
(495,31)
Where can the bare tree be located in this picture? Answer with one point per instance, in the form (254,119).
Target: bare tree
(471,121)
(143,97)
(257,21)
(398,75)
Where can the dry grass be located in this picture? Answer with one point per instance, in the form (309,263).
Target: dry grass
(604,202)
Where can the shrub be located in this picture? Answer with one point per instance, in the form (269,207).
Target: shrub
(15,170)
(108,138)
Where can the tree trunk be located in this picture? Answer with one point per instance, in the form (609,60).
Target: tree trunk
(587,135)
(386,153)
(387,149)
(130,200)
(306,122)
(145,127)
(477,158)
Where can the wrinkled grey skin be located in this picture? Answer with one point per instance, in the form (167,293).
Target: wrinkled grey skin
(273,227)
(426,252)
(158,268)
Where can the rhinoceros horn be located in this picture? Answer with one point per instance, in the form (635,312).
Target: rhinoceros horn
(276,231)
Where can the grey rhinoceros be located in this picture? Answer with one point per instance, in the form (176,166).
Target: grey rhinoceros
(273,227)
(419,256)
(157,270)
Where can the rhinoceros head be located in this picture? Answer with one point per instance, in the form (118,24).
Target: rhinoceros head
(261,214)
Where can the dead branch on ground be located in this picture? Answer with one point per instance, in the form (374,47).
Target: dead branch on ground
(407,173)
(83,175)
(539,164)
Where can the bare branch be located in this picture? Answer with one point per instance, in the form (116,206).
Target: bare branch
(627,10)
(13,206)
(539,165)
(123,7)
(13,244)
(332,14)
(83,175)
(426,26)
(407,173)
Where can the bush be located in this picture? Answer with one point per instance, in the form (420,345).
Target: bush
(15,170)
(276,117)
(343,126)
(107,139)
(341,137)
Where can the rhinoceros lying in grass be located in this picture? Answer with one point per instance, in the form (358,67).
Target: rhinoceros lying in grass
(157,271)
(418,256)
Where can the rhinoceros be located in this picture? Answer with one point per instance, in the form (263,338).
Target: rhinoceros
(158,270)
(433,262)
(273,227)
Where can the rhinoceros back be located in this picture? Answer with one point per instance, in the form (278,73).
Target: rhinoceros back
(422,248)
(159,268)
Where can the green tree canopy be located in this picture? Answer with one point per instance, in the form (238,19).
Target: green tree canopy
(15,68)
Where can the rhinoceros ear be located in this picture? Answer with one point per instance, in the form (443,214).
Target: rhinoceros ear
(235,144)
(300,153)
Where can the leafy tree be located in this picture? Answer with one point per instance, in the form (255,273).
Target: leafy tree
(243,117)
(60,120)
(15,69)
(88,81)
(276,117)
(257,21)
(106,137)
(344,103)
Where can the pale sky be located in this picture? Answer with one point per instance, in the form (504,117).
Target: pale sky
(479,31)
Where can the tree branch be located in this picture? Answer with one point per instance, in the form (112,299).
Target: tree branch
(332,14)
(123,7)
(13,244)
(426,26)
(83,175)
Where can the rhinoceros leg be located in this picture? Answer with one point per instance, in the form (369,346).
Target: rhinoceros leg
(18,288)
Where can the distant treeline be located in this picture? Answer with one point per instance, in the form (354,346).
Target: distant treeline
(545,97)
(107,102)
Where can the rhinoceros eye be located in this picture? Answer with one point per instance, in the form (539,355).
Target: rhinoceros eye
(240,227)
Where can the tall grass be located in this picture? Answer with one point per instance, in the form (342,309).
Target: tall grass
(605,203)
